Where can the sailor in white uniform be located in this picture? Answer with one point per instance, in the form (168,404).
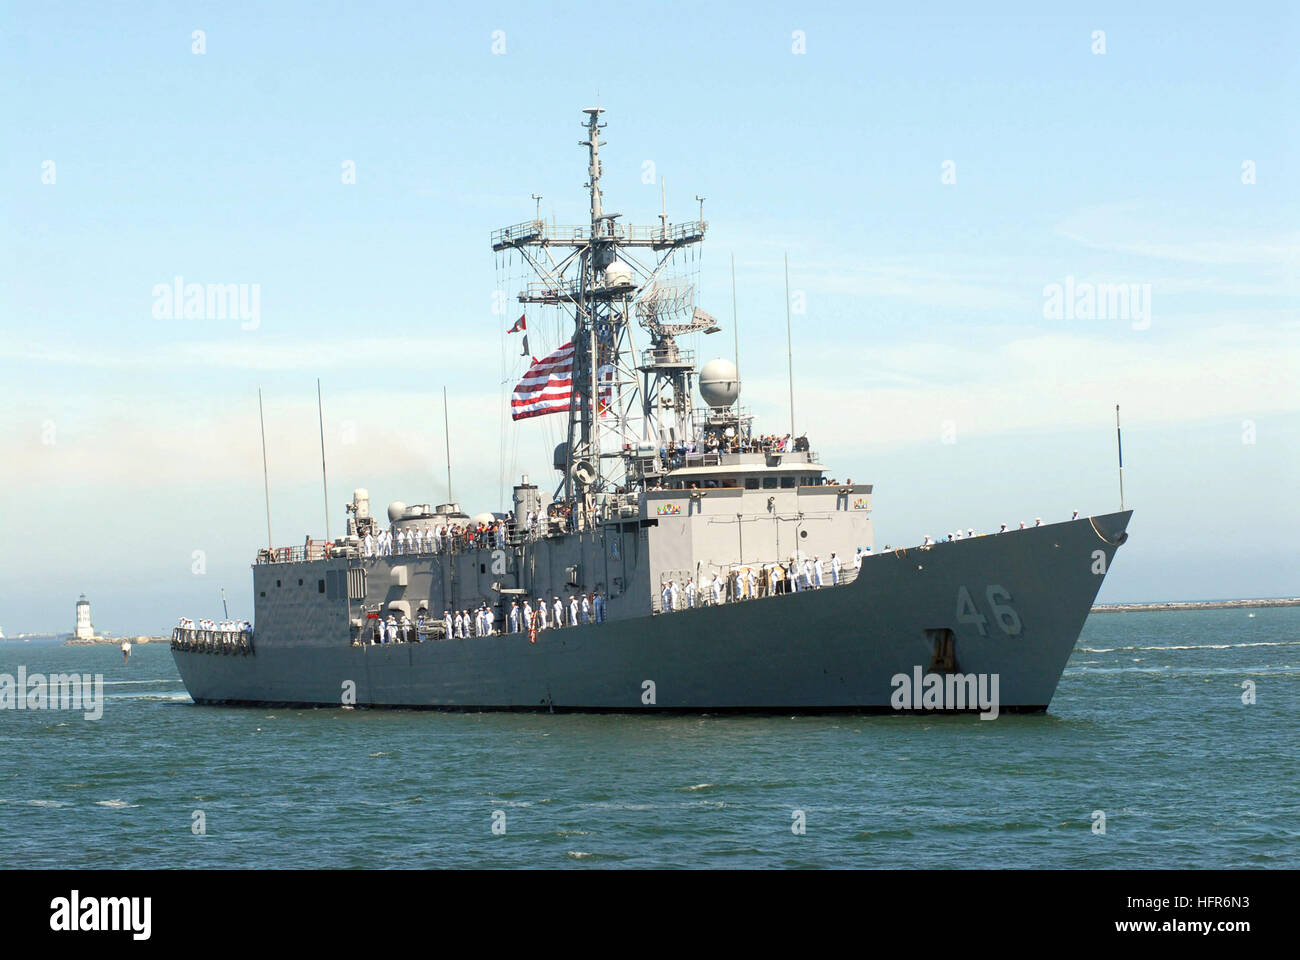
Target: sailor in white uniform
(665,599)
(690,593)
(369,543)
(807,574)
(573,611)
(541,614)
(1002,529)
(528,615)
(447,628)
(819,572)
(1075,515)
(392,629)
(557,610)
(717,589)
(835,570)
(970,532)
(490,616)
(1038,521)
(586,609)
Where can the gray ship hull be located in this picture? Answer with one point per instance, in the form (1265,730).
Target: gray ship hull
(1015,604)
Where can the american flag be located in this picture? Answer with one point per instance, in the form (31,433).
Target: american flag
(547,387)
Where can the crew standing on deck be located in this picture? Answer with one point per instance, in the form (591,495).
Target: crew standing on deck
(586,609)
(514,617)
(835,570)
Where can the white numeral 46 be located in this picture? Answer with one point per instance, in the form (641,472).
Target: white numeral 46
(1003,613)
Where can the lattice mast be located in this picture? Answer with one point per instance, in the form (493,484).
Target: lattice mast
(591,272)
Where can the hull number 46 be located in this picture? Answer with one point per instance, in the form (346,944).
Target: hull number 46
(999,602)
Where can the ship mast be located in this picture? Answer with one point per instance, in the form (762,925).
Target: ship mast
(600,273)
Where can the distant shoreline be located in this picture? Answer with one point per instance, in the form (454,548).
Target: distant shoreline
(1195,605)
(115,641)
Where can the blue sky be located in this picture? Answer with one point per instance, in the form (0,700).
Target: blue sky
(129,442)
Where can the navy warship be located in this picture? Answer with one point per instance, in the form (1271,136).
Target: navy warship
(682,561)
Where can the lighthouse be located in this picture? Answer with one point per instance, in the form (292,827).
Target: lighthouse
(85,630)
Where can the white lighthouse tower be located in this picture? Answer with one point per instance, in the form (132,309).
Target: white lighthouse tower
(85,630)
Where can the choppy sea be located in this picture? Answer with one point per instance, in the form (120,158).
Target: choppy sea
(1148,727)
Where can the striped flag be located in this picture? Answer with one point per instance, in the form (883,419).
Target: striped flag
(547,387)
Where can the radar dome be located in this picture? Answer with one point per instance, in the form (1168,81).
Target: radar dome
(560,458)
(719,383)
(483,518)
(395,511)
(617,273)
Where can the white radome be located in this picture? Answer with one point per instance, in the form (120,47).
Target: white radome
(719,383)
(395,511)
(617,274)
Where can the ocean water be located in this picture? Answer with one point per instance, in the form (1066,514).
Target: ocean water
(1148,726)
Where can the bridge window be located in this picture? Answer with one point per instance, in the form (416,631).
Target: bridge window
(787,482)
(751,483)
(769,483)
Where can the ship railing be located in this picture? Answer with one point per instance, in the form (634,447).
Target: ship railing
(201,640)
(732,592)
(452,545)
(526,232)
(311,550)
(539,231)
(664,355)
